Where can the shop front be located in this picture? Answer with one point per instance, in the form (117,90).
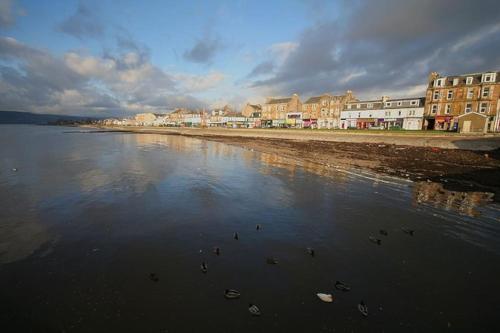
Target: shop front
(310,123)
(363,123)
(444,123)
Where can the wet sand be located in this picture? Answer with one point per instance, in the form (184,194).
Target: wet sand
(457,169)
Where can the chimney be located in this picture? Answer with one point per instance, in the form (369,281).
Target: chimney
(385,98)
(433,76)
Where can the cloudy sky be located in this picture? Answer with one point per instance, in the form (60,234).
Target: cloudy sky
(114,57)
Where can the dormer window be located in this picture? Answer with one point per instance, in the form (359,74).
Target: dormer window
(413,102)
(455,81)
(488,77)
(469,80)
(439,82)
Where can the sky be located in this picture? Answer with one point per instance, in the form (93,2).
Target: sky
(121,57)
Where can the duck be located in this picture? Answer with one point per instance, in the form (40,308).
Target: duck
(327,298)
(254,310)
(217,250)
(153,277)
(310,251)
(363,308)
(342,286)
(236,236)
(375,240)
(232,294)
(408,231)
(257,227)
(272,261)
(204,267)
(384,232)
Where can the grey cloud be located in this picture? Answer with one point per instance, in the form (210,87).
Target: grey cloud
(83,23)
(265,67)
(391,46)
(6,15)
(35,80)
(203,51)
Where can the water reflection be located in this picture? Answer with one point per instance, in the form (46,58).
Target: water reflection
(464,203)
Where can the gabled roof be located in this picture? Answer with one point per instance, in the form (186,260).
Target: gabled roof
(255,106)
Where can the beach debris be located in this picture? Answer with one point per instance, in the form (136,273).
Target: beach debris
(363,308)
(408,231)
(217,250)
(254,310)
(236,236)
(327,298)
(272,261)
(14,169)
(342,286)
(310,251)
(257,227)
(153,277)
(232,294)
(384,232)
(375,240)
(204,267)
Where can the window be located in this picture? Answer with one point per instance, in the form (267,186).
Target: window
(359,114)
(468,107)
(400,103)
(455,81)
(388,104)
(483,108)
(387,113)
(450,94)
(486,92)
(324,103)
(439,82)
(489,77)
(370,105)
(348,106)
(399,113)
(469,80)
(434,108)
(470,93)
(436,94)
(448,109)
(358,106)
(411,112)
(413,103)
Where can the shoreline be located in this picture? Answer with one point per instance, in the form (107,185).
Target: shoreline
(457,169)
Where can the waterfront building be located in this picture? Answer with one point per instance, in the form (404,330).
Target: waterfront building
(252,110)
(385,113)
(324,111)
(145,119)
(275,110)
(451,101)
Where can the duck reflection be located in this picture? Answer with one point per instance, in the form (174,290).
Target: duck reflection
(465,203)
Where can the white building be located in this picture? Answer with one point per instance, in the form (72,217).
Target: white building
(404,113)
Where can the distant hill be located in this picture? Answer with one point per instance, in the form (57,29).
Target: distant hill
(15,117)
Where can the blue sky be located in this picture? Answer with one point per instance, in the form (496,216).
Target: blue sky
(120,57)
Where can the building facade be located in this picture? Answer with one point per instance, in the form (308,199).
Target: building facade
(274,111)
(386,113)
(324,111)
(252,110)
(450,97)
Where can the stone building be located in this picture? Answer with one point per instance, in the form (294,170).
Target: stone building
(324,111)
(449,97)
(145,119)
(275,110)
(252,110)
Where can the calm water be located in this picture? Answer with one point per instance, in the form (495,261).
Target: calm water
(88,217)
